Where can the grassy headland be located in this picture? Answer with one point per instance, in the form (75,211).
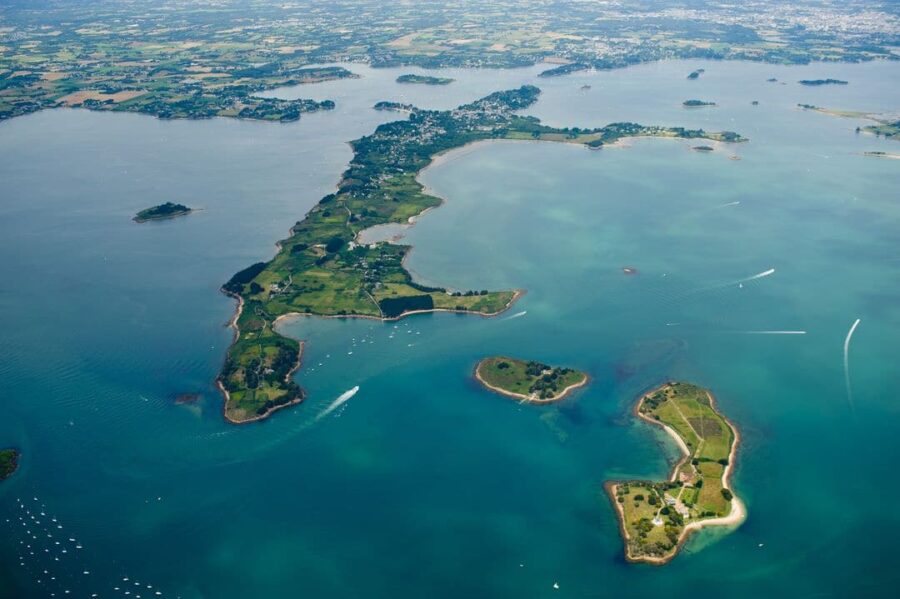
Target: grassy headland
(321,269)
(9,461)
(657,517)
(528,381)
(425,79)
(162,211)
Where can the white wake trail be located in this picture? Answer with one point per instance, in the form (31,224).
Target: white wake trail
(847,360)
(764,273)
(517,315)
(342,398)
(774,332)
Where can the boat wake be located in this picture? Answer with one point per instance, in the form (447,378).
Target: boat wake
(341,400)
(761,275)
(517,315)
(773,332)
(847,361)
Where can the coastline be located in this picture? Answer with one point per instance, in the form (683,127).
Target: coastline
(291,315)
(435,160)
(526,398)
(233,325)
(736,515)
(271,410)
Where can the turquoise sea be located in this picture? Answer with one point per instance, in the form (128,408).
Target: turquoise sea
(423,484)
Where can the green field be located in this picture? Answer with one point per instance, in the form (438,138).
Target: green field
(322,270)
(655,515)
(9,461)
(526,379)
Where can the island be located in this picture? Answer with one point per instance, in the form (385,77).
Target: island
(9,462)
(425,79)
(816,82)
(322,269)
(394,107)
(162,212)
(528,381)
(696,103)
(696,74)
(564,69)
(656,517)
(703,148)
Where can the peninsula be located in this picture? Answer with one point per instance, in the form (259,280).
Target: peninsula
(425,79)
(161,212)
(9,462)
(321,269)
(657,517)
(887,125)
(528,381)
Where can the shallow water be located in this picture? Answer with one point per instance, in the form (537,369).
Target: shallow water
(422,484)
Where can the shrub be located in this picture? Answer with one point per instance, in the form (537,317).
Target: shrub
(334,244)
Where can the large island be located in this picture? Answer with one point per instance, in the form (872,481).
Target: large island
(528,381)
(321,269)
(656,517)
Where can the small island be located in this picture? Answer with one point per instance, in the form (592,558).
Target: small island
(528,381)
(162,212)
(9,462)
(703,148)
(394,107)
(816,82)
(696,103)
(564,69)
(696,74)
(657,517)
(424,79)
